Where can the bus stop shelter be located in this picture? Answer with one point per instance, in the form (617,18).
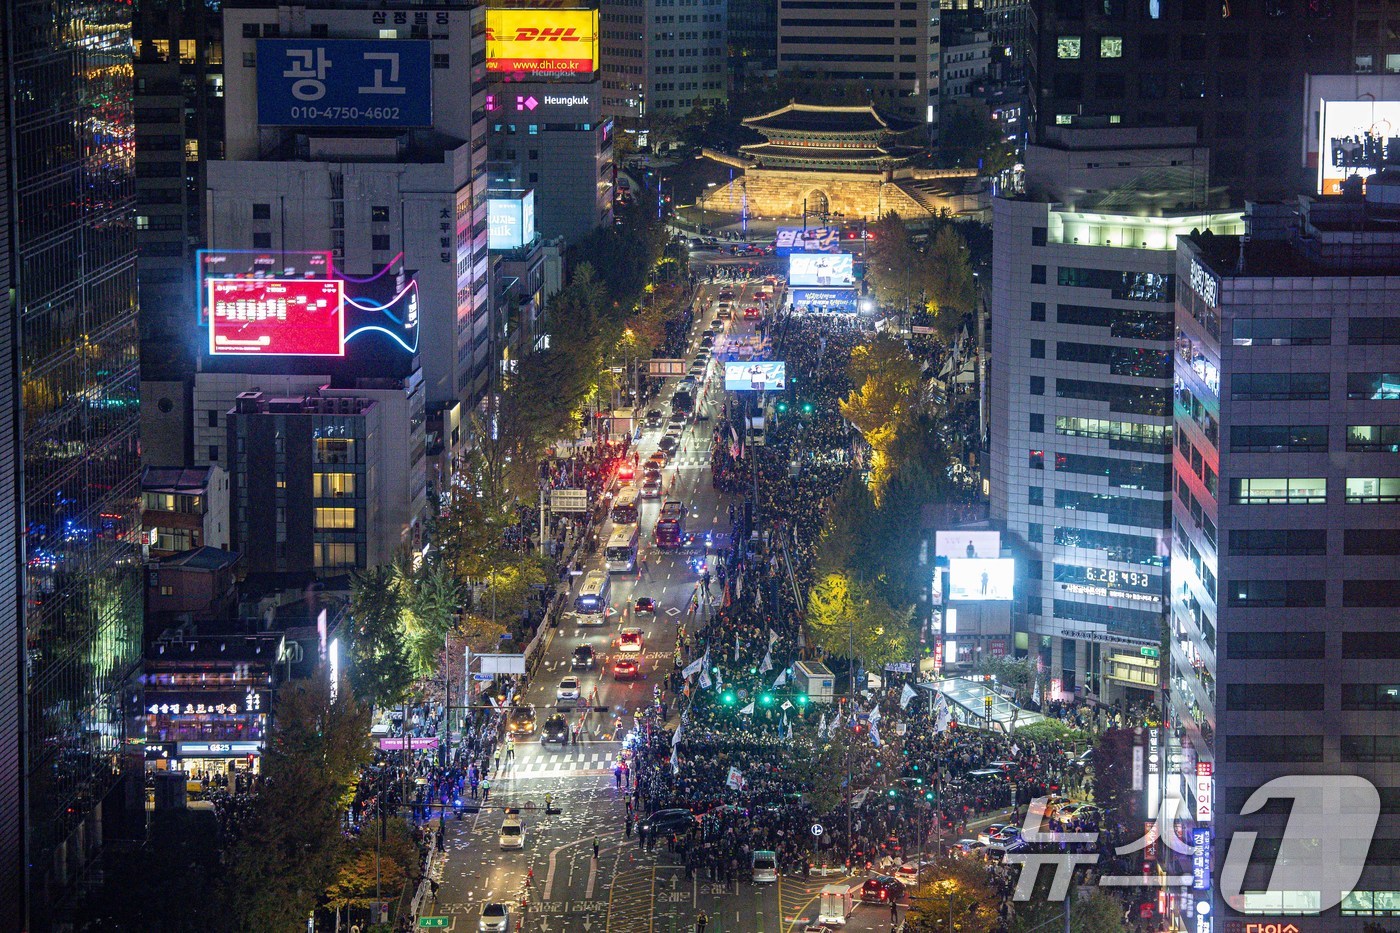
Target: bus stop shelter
(974,703)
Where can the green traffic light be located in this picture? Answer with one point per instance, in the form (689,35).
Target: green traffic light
(782,407)
(893,792)
(801,699)
(727,698)
(930,795)
(808,408)
(765,699)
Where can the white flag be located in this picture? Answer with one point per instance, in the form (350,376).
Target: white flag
(907,694)
(735,780)
(676,739)
(821,727)
(705,681)
(693,668)
(736,647)
(748,710)
(1015,749)
(875,734)
(782,679)
(943,718)
(874,715)
(836,723)
(772,637)
(787,704)
(767,664)
(858,800)
(675,761)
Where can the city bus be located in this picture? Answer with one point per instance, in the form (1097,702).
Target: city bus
(593,595)
(621,553)
(624,510)
(670,527)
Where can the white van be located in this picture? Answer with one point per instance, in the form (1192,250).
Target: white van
(765,867)
(512,833)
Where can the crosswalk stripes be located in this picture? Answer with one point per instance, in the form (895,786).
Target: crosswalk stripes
(587,760)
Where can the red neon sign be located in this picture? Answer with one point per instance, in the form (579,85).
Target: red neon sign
(276,317)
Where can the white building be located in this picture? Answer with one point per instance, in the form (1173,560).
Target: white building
(1285,579)
(967,53)
(378,156)
(1081,375)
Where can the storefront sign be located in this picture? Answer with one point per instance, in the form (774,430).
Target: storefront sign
(1205,792)
(206,703)
(1200,859)
(216,749)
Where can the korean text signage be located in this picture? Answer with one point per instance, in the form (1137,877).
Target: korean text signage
(1205,792)
(1200,859)
(813,240)
(210,703)
(276,317)
(1204,283)
(345,82)
(824,300)
(542,43)
(510,221)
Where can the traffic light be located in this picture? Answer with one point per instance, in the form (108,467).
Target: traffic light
(893,792)
(808,408)
(801,700)
(728,698)
(781,407)
(765,699)
(930,796)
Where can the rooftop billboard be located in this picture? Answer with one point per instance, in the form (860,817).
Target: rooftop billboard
(542,43)
(345,82)
(276,317)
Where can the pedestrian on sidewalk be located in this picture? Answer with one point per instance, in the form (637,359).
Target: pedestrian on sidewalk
(486,790)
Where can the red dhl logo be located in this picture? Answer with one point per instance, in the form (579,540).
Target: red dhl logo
(531,34)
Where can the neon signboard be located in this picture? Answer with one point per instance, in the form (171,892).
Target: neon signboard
(276,317)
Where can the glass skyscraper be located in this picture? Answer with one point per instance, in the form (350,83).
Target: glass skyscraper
(72,261)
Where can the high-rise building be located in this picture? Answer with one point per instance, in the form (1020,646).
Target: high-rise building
(1285,561)
(1082,284)
(753,39)
(1233,71)
(889,48)
(662,56)
(72,262)
(383,169)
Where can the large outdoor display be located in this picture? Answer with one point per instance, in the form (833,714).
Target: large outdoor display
(755,376)
(983,544)
(542,43)
(1356,137)
(824,300)
(276,317)
(821,270)
(345,82)
(811,240)
(256,264)
(976,578)
(510,220)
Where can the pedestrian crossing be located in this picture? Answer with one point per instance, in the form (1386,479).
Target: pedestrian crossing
(587,760)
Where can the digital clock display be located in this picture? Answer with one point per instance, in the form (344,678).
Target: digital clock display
(1125,579)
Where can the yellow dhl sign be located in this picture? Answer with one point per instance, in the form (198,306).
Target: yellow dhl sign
(542,41)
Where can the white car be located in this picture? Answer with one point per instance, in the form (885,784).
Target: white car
(568,691)
(495,918)
(512,833)
(629,640)
(985,836)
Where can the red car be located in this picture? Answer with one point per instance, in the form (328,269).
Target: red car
(645,604)
(751,313)
(625,669)
(626,472)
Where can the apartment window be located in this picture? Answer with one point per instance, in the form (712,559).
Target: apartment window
(1373,489)
(1259,438)
(262,211)
(1363,748)
(1291,490)
(1037,275)
(1371,594)
(1121,435)
(1035,532)
(1068,47)
(1037,460)
(1268,387)
(1037,424)
(1370,542)
(1293,697)
(1274,748)
(334,555)
(1132,549)
(191,150)
(1270,542)
(333,485)
(214,452)
(335,450)
(1371,696)
(379,242)
(1035,495)
(1037,310)
(1276,646)
(1038,236)
(252,30)
(1373,331)
(1064,119)
(1037,349)
(1281,332)
(442,60)
(262,241)
(333,518)
(1374,438)
(379,215)
(1373,386)
(1277,594)
(1110,47)
(1037,385)
(1371,646)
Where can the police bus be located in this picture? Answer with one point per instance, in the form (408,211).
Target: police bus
(592,599)
(624,510)
(621,553)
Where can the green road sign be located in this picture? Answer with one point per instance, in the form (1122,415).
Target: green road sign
(434,923)
(1149,652)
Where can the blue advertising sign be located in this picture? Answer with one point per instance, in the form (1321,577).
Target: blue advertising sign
(345,82)
(1200,859)
(824,300)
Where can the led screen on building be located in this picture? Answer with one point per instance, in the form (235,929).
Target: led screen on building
(276,317)
(345,82)
(824,300)
(812,240)
(976,578)
(821,270)
(542,43)
(1356,138)
(984,544)
(256,264)
(755,376)
(510,221)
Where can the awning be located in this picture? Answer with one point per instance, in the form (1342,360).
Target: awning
(968,701)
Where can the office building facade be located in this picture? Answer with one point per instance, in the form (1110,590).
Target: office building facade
(663,56)
(1080,412)
(393,181)
(13,818)
(72,266)
(889,48)
(1285,557)
(1234,72)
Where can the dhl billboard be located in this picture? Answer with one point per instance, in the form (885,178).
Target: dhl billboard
(542,43)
